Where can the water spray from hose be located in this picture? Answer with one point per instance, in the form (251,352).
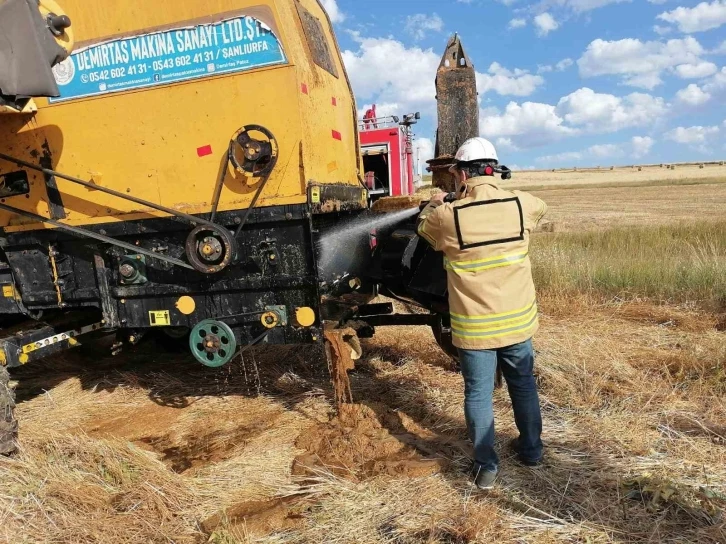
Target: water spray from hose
(349,237)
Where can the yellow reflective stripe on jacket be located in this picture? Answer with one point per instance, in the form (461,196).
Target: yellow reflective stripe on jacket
(486,318)
(519,328)
(484,264)
(492,324)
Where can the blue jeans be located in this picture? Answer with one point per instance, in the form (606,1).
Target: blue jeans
(479,368)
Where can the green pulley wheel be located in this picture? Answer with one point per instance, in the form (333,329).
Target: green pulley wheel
(212,343)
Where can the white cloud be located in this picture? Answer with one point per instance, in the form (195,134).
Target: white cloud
(561,66)
(582,112)
(559,158)
(662,30)
(657,1)
(641,145)
(517,23)
(640,64)
(526,125)
(331,6)
(696,137)
(408,82)
(638,147)
(599,151)
(598,112)
(564,64)
(704,16)
(696,71)
(421,25)
(424,149)
(506,82)
(717,84)
(644,81)
(581,6)
(602,151)
(693,95)
(505,144)
(720,50)
(545,24)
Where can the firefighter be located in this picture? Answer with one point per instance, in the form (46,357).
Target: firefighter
(484,235)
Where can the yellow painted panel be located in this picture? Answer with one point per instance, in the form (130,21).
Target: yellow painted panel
(153,143)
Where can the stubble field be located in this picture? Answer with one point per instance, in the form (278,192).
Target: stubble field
(632,372)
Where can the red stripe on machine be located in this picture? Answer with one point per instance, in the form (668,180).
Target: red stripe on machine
(204,150)
(337,135)
(335,101)
(304,88)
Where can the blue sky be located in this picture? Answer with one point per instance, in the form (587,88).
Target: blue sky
(561,82)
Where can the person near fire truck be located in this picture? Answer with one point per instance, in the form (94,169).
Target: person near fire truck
(484,231)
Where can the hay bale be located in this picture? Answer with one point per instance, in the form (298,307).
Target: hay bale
(398,203)
(701,165)
(640,169)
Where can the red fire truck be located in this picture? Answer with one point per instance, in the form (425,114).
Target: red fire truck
(387,147)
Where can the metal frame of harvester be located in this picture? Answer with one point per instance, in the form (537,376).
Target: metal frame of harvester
(176,173)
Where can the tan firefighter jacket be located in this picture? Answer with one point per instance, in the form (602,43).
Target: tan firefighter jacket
(485,240)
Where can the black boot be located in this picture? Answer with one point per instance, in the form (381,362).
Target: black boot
(514,446)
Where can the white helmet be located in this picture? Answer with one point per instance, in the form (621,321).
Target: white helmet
(477,149)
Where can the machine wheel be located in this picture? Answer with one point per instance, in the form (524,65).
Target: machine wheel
(210,249)
(8,423)
(212,343)
(254,151)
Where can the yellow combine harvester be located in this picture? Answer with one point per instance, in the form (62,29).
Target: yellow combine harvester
(176,172)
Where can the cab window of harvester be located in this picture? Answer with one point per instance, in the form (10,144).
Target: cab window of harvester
(317,42)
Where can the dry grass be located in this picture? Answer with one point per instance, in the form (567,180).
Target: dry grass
(154,448)
(633,398)
(683,264)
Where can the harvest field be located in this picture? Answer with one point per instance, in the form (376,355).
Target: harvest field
(632,371)
(624,175)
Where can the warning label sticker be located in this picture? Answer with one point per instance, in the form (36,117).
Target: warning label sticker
(159,318)
(234,45)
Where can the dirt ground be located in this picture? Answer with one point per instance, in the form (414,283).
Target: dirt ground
(152,447)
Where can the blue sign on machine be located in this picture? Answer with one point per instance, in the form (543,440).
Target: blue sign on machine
(169,56)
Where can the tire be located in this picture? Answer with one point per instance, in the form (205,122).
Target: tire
(8,423)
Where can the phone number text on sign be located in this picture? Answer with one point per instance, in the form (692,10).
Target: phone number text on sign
(238,44)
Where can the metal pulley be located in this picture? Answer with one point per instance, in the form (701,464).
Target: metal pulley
(210,249)
(212,343)
(253,151)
